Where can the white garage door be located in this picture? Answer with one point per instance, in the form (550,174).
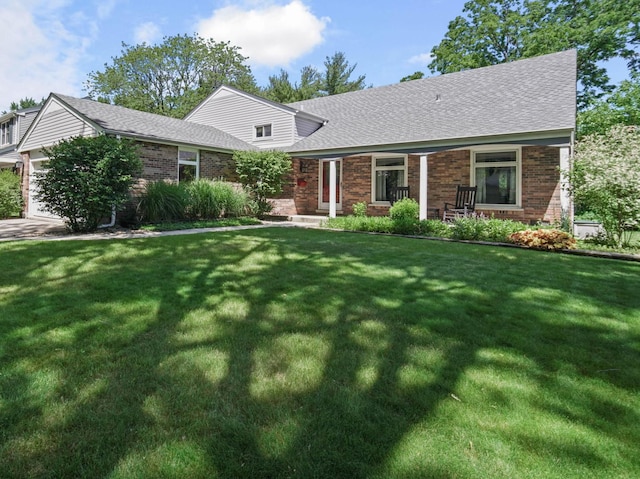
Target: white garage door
(35,207)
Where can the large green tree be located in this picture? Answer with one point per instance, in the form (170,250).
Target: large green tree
(498,31)
(335,79)
(621,107)
(26,102)
(172,77)
(281,89)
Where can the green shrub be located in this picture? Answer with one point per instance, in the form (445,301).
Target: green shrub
(547,239)
(377,224)
(482,229)
(404,215)
(605,179)
(471,229)
(406,227)
(360,209)
(406,209)
(10,195)
(499,230)
(86,178)
(434,229)
(163,201)
(263,173)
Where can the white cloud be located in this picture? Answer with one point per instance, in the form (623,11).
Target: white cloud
(270,35)
(105,7)
(147,32)
(421,59)
(44,53)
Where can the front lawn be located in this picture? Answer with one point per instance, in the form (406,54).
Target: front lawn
(301,353)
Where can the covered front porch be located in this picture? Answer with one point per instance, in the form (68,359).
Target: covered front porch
(515,180)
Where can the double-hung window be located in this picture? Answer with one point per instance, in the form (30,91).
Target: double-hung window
(188,165)
(263,131)
(387,172)
(496,173)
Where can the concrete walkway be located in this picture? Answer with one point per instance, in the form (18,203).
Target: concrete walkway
(29,228)
(43,229)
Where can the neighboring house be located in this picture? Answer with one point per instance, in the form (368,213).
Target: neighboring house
(13,126)
(506,129)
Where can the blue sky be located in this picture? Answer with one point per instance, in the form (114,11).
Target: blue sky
(51,45)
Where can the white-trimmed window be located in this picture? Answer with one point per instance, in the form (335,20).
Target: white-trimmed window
(388,171)
(5,133)
(497,174)
(263,131)
(188,164)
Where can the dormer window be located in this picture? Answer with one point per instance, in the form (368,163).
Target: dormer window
(263,131)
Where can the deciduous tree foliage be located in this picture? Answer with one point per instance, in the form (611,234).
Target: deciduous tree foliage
(498,31)
(605,179)
(86,177)
(622,107)
(170,78)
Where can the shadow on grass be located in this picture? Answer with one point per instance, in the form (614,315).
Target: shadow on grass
(281,353)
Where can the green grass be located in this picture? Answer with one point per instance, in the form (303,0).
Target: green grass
(305,353)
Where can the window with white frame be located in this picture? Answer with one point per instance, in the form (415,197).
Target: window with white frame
(387,172)
(5,133)
(496,173)
(188,165)
(263,131)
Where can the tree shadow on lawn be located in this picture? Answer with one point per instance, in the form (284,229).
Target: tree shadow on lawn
(363,359)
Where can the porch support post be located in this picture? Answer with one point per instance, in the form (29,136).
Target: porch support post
(565,198)
(332,189)
(423,186)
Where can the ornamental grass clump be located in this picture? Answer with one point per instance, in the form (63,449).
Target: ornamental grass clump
(163,201)
(544,239)
(211,199)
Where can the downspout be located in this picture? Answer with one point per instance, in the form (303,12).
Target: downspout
(112,223)
(113,219)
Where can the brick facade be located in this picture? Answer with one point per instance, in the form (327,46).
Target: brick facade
(446,170)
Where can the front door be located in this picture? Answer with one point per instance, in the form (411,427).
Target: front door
(323,200)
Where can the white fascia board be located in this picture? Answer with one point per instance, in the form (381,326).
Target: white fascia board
(54,99)
(440,145)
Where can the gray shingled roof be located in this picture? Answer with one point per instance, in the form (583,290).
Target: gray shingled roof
(148,126)
(533,95)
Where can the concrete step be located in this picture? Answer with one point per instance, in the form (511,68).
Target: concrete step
(307,219)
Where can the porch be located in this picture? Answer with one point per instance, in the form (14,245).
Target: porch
(523,185)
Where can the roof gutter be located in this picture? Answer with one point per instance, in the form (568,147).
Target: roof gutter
(551,138)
